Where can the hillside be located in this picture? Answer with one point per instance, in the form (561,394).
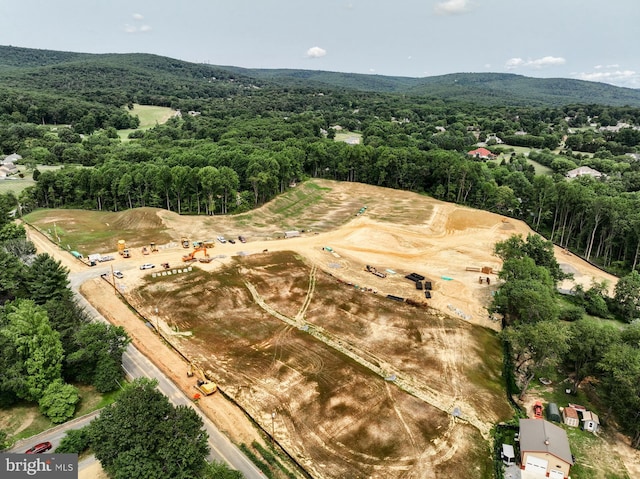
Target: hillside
(116,78)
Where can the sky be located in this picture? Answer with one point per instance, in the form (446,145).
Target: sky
(595,40)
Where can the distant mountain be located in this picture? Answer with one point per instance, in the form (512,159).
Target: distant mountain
(117,76)
(485,88)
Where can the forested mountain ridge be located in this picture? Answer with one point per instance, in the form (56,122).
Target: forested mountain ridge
(161,78)
(481,88)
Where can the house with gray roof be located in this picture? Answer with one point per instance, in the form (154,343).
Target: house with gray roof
(544,449)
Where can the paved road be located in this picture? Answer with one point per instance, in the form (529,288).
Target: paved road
(55,434)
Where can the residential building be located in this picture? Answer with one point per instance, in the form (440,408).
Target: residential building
(544,449)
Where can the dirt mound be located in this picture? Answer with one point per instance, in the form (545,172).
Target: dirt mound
(138,219)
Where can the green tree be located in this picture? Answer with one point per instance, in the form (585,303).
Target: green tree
(621,386)
(143,435)
(38,348)
(536,347)
(627,296)
(588,342)
(219,470)
(97,355)
(58,402)
(12,231)
(47,279)
(75,441)
(536,248)
(527,294)
(11,275)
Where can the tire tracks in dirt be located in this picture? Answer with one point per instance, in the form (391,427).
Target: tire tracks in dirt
(409,385)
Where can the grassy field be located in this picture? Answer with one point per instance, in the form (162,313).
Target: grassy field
(521,150)
(24,419)
(15,185)
(149,117)
(349,137)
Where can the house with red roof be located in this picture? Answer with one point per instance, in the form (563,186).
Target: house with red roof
(481,153)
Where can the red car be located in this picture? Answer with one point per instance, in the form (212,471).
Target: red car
(38,448)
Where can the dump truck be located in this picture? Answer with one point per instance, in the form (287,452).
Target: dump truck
(185,242)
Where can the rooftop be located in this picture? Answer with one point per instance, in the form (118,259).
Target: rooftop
(541,436)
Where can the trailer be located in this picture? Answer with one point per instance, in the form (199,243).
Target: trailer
(292,234)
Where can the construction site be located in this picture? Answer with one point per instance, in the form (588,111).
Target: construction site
(363,346)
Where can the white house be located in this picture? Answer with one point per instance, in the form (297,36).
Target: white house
(582,171)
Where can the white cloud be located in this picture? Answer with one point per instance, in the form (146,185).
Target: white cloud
(316,52)
(626,78)
(513,63)
(134,29)
(137,27)
(451,7)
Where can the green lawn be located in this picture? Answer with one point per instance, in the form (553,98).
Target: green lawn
(24,419)
(16,185)
(348,137)
(149,117)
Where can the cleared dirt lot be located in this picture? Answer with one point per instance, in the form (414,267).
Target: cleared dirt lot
(302,330)
(334,413)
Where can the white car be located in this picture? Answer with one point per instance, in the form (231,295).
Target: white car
(118,274)
(221,239)
(147,266)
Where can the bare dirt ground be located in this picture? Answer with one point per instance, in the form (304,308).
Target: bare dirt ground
(399,233)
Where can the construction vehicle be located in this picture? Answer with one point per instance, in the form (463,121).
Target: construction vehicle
(145,250)
(153,247)
(192,256)
(165,265)
(185,242)
(373,270)
(203,384)
(123,250)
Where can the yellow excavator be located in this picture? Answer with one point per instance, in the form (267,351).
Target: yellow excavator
(203,385)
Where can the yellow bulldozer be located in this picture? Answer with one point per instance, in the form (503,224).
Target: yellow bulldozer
(203,385)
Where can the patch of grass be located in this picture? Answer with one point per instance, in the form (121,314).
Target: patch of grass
(263,466)
(149,116)
(25,420)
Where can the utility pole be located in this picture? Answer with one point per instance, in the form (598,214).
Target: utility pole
(273,429)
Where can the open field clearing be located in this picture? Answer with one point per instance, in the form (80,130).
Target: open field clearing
(149,116)
(362,386)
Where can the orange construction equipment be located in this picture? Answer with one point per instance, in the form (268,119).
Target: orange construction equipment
(192,256)
(537,410)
